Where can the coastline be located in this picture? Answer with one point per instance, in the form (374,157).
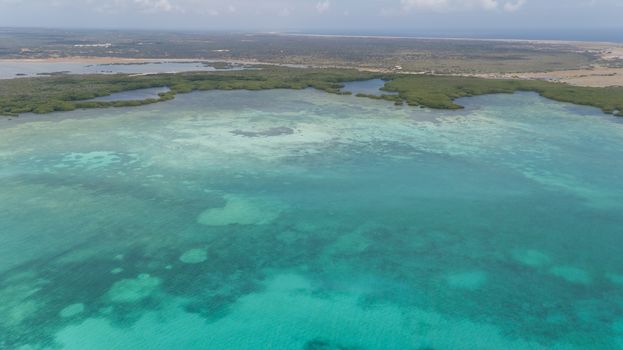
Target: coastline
(431,91)
(595,75)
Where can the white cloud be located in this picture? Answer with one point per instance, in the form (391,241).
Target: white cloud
(514,6)
(488,4)
(460,5)
(409,5)
(323,6)
(298,8)
(156,5)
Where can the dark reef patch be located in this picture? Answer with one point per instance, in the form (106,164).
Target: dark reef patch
(278,131)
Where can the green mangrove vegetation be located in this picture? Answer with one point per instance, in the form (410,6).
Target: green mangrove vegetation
(441,91)
(69,92)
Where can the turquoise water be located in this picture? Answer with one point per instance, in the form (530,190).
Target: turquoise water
(304,220)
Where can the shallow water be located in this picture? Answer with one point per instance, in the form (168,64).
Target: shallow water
(23,68)
(192,224)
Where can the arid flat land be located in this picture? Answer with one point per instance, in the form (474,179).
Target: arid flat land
(607,70)
(579,63)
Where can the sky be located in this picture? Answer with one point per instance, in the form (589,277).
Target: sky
(504,18)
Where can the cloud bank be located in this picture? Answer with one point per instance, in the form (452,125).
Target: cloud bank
(323,6)
(424,17)
(461,5)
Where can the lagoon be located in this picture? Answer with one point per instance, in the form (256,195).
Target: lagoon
(10,69)
(200,223)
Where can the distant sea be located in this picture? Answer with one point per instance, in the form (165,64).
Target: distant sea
(610,35)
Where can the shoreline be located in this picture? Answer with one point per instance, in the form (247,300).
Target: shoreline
(595,76)
(112,60)
(413,90)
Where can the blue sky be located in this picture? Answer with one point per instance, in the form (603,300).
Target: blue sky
(445,17)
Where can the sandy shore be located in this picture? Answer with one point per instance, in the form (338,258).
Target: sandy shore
(595,77)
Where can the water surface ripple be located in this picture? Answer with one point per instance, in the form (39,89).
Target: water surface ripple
(304,220)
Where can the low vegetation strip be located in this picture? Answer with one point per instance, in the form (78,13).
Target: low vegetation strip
(65,93)
(69,92)
(442,91)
